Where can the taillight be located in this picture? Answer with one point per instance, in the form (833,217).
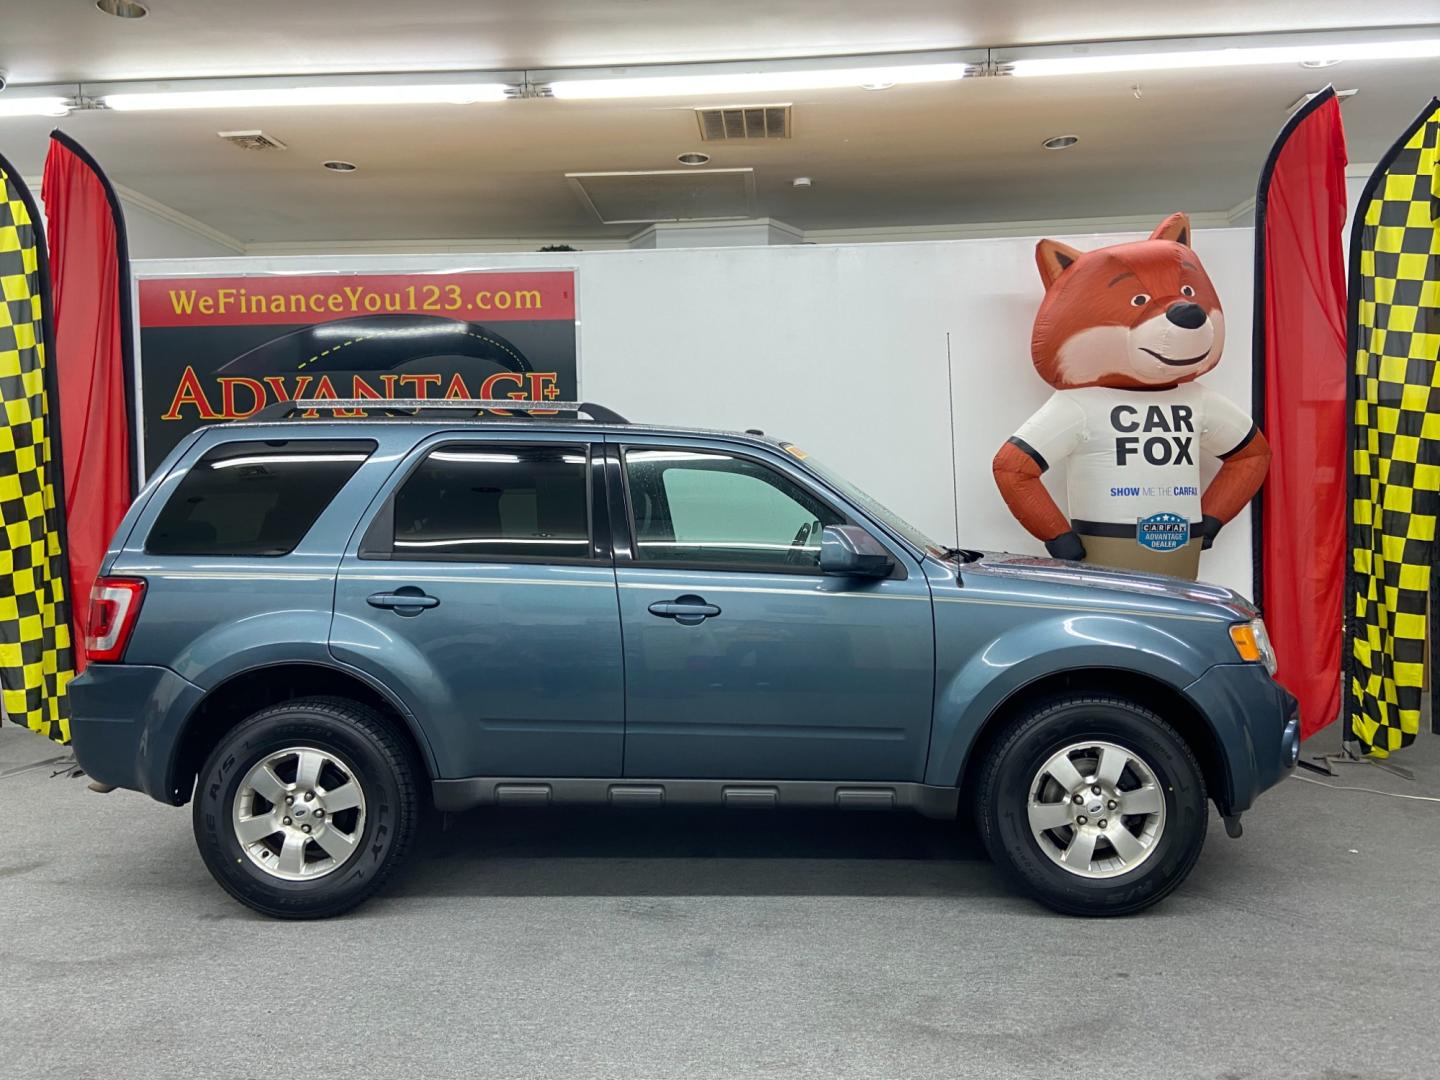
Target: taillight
(114,607)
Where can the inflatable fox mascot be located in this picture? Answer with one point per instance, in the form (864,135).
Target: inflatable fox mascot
(1121,335)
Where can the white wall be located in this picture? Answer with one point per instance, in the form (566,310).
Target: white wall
(855,352)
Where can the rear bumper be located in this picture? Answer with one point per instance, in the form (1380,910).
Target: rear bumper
(125,724)
(1258,725)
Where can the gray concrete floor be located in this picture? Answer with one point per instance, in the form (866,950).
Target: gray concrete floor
(695,945)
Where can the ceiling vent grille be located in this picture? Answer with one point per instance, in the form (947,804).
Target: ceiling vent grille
(642,198)
(727,122)
(251,140)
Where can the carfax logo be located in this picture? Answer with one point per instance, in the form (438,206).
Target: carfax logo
(1163,532)
(1154,491)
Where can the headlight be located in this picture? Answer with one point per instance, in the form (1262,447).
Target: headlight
(1253,644)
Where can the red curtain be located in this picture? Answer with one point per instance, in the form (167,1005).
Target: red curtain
(89,266)
(1300,378)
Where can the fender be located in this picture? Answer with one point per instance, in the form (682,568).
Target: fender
(255,640)
(972,684)
(184,714)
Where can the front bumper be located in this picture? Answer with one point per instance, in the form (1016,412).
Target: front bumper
(125,725)
(1257,724)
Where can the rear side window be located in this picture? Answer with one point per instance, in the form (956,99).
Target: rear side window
(254,498)
(484,501)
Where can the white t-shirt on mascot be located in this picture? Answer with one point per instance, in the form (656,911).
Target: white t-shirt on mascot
(1132,454)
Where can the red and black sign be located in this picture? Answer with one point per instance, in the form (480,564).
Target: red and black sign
(215,349)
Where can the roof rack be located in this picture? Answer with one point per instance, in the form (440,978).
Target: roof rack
(288,410)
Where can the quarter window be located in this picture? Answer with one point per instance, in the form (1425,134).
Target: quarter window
(704,508)
(483,501)
(254,498)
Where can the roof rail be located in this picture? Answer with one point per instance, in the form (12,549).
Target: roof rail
(288,410)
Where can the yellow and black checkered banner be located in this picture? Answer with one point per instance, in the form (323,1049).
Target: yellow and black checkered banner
(1395,438)
(36,658)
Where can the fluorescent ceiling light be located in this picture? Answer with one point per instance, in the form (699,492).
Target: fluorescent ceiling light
(33,106)
(475,455)
(745,82)
(673,455)
(1235,56)
(330,331)
(284,459)
(547,540)
(302,96)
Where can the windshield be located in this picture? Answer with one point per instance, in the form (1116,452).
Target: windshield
(869,504)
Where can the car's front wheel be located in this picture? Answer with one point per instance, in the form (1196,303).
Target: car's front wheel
(304,809)
(1094,805)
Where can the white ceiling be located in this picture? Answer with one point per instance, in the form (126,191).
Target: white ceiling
(937,154)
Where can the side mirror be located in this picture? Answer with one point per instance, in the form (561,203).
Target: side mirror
(850,551)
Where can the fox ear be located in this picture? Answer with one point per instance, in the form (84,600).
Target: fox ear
(1053,258)
(1176,227)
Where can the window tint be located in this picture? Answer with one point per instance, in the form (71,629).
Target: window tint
(254,498)
(711,509)
(488,501)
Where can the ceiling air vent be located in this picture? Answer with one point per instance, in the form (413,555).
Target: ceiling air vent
(641,198)
(722,122)
(251,140)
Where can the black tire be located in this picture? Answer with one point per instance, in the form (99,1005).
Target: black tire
(378,761)
(1011,771)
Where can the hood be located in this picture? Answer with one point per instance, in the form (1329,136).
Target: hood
(1042,570)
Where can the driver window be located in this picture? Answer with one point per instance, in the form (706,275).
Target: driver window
(709,509)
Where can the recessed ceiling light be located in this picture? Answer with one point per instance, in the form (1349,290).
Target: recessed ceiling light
(123,9)
(693,159)
(801,182)
(1322,62)
(876,85)
(1060,142)
(340,166)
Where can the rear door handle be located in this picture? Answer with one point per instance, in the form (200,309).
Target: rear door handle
(406,600)
(686,610)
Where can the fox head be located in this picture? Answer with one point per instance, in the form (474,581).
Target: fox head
(1130,316)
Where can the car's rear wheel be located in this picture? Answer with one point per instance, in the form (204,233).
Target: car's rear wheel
(304,809)
(1094,805)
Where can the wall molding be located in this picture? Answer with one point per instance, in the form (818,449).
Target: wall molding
(1219,219)
(1002,229)
(1235,216)
(1239,215)
(661,234)
(1242,210)
(465,246)
(179,219)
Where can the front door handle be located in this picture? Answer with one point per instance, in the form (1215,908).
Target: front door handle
(406,600)
(688,610)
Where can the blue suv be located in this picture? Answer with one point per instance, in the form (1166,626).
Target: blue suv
(322,628)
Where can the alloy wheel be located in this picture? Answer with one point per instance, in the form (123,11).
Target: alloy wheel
(1096,809)
(299,813)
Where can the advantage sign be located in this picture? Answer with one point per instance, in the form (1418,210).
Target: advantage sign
(215,349)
